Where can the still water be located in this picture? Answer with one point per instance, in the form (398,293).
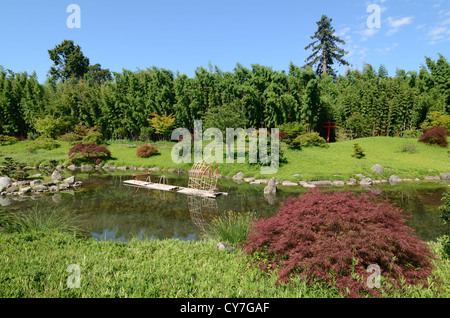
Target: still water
(109,210)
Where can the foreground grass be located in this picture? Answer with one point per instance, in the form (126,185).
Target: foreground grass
(332,163)
(35,265)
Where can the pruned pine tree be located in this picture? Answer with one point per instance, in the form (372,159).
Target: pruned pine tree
(325,51)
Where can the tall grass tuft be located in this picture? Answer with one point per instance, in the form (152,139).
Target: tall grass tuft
(231,227)
(37,219)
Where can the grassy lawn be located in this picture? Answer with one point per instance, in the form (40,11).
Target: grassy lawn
(152,269)
(332,163)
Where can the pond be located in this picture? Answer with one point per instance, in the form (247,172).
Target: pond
(110,210)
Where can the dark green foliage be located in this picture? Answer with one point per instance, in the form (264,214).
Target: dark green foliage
(7,140)
(145,151)
(325,48)
(13,169)
(358,152)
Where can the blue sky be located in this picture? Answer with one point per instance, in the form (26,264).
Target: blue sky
(181,35)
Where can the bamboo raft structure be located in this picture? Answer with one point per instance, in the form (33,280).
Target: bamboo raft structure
(202,182)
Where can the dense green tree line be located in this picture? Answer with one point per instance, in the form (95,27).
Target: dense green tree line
(365,102)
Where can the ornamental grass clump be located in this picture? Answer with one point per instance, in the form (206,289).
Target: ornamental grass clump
(332,239)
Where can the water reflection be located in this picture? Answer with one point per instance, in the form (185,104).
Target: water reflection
(112,211)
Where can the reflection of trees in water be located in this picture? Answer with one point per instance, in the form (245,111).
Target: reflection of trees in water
(421,207)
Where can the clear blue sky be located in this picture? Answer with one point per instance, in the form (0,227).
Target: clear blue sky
(181,35)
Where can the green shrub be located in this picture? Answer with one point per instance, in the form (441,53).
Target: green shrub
(51,127)
(7,140)
(145,151)
(409,148)
(95,138)
(436,119)
(293,129)
(311,139)
(43,143)
(70,137)
(231,227)
(411,133)
(358,152)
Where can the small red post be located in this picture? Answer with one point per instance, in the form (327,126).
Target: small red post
(329,125)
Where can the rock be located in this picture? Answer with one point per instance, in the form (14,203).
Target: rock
(56,175)
(122,168)
(271,187)
(288,183)
(394,178)
(222,246)
(154,169)
(249,179)
(352,182)
(25,190)
(5,182)
(37,175)
(239,175)
(78,184)
(12,189)
(377,168)
(59,167)
(445,175)
(72,167)
(21,183)
(2,188)
(105,166)
(132,168)
(338,183)
(112,167)
(141,169)
(309,186)
(53,188)
(321,183)
(361,176)
(40,188)
(34,183)
(64,186)
(70,180)
(432,178)
(86,168)
(29,168)
(366,182)
(261,181)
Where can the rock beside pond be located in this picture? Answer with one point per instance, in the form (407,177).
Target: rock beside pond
(53,188)
(338,183)
(12,189)
(321,183)
(56,175)
(395,178)
(86,168)
(25,190)
(271,187)
(154,169)
(224,247)
(366,182)
(70,180)
(64,186)
(377,168)
(249,179)
(309,185)
(352,182)
(72,167)
(432,178)
(34,183)
(288,183)
(5,182)
(122,168)
(59,167)
(445,175)
(40,188)
(238,176)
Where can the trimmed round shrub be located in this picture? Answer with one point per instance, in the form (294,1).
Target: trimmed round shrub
(43,143)
(95,138)
(70,137)
(145,151)
(308,140)
(333,238)
(435,136)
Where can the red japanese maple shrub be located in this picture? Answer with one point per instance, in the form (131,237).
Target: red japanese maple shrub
(88,153)
(334,237)
(145,151)
(435,136)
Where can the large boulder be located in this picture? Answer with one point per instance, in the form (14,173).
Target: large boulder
(239,176)
(377,168)
(271,187)
(5,182)
(70,180)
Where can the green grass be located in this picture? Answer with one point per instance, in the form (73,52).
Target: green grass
(313,163)
(34,265)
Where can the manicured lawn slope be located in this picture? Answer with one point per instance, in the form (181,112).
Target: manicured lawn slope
(332,163)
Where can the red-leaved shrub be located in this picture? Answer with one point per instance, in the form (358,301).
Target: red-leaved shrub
(88,152)
(435,136)
(145,151)
(333,237)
